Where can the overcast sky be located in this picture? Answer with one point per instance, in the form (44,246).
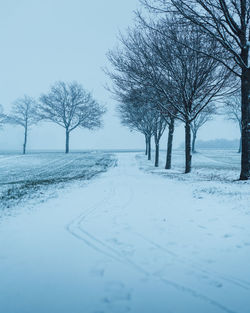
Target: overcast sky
(43,41)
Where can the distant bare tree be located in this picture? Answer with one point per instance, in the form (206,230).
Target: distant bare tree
(232,111)
(227,22)
(24,113)
(2,116)
(201,119)
(137,117)
(133,69)
(145,101)
(69,105)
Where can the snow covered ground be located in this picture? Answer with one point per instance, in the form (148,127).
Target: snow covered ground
(38,176)
(134,239)
(215,165)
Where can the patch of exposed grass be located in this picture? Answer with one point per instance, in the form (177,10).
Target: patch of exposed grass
(18,191)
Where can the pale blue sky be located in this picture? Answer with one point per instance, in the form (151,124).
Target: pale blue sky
(43,41)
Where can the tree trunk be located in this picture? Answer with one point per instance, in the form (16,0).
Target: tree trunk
(157,151)
(170,144)
(149,148)
(245,122)
(146,141)
(193,141)
(67,142)
(188,147)
(25,139)
(240,145)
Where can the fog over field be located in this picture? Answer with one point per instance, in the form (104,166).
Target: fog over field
(125,156)
(69,44)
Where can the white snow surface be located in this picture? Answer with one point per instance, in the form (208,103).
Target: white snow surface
(131,240)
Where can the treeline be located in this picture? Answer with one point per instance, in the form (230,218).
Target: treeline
(217,144)
(179,63)
(68,105)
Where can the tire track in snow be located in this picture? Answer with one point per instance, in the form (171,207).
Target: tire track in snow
(76,229)
(75,226)
(233,280)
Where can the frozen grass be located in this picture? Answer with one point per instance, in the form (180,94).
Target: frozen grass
(37,176)
(207,166)
(218,165)
(214,173)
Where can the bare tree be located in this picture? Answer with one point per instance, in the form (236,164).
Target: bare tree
(24,113)
(159,128)
(227,22)
(2,116)
(70,106)
(160,59)
(171,127)
(232,111)
(188,79)
(201,119)
(133,69)
(147,98)
(137,117)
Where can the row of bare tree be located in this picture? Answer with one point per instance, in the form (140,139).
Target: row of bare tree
(68,105)
(143,117)
(178,63)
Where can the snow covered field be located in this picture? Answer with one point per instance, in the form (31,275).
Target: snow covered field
(134,239)
(216,165)
(37,176)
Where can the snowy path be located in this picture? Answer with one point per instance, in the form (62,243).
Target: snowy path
(127,242)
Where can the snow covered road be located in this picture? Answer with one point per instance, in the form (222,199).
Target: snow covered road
(128,241)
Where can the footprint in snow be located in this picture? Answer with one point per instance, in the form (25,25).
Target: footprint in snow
(126,249)
(117,297)
(227,236)
(202,227)
(98,270)
(216,284)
